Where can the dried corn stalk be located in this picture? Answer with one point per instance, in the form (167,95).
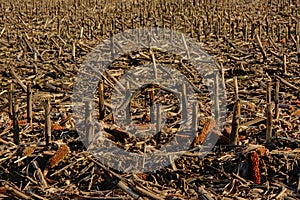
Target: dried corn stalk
(254,172)
(39,174)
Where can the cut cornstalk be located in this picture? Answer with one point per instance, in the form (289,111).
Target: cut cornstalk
(235,123)
(29,104)
(269,114)
(47,108)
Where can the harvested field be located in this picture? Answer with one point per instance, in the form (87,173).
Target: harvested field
(255,48)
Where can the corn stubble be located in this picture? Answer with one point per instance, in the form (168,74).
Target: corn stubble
(256,46)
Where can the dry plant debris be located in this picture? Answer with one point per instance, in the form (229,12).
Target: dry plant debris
(43,44)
